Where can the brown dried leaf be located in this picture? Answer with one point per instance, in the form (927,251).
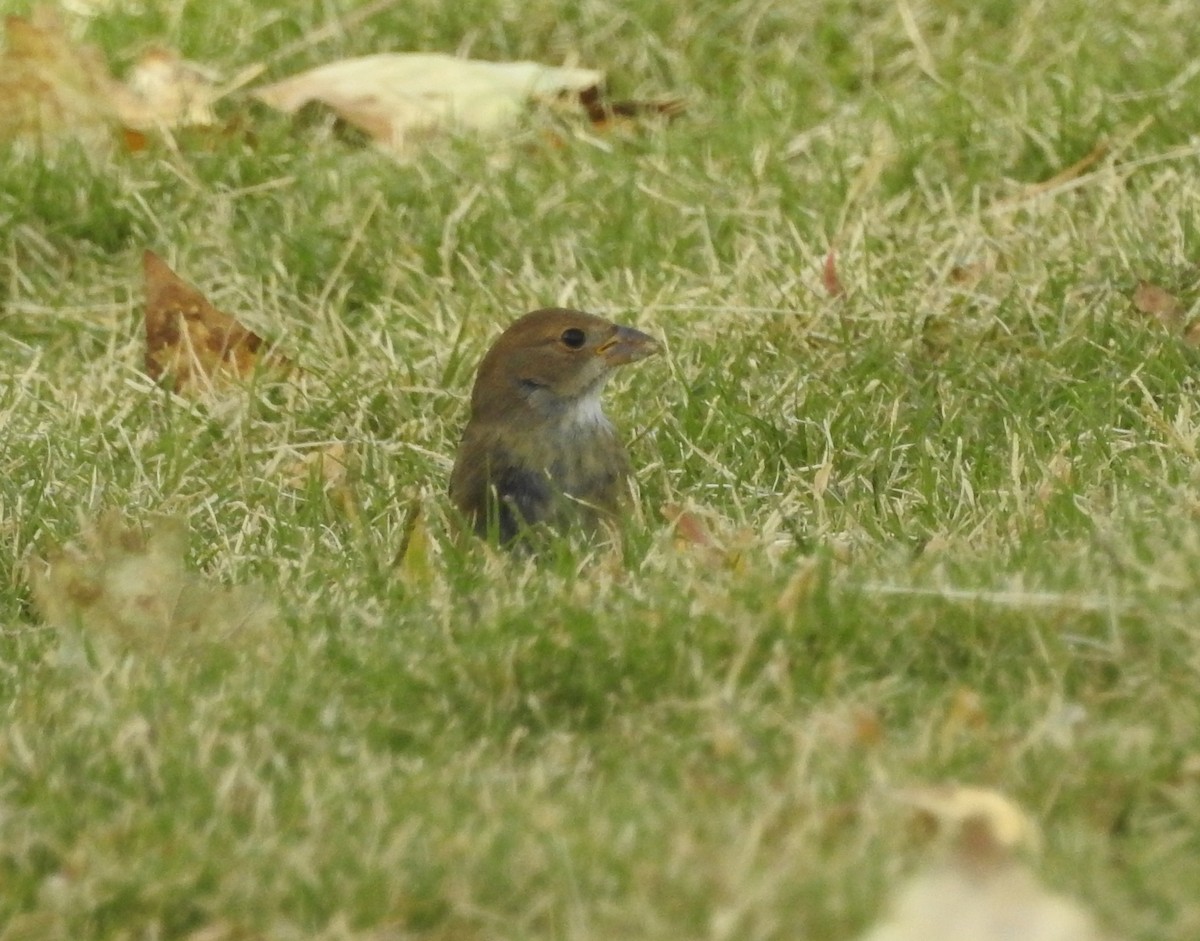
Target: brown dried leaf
(829,276)
(52,88)
(606,115)
(690,529)
(1159,305)
(712,539)
(968,274)
(191,341)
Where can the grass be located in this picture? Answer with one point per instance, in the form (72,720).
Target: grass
(958,505)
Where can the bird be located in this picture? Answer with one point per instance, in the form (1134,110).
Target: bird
(537,449)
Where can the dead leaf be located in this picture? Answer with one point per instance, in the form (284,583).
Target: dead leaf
(690,529)
(991,824)
(968,274)
(131,583)
(327,464)
(330,466)
(829,276)
(605,114)
(52,89)
(191,341)
(713,539)
(1159,305)
(978,889)
(164,90)
(402,99)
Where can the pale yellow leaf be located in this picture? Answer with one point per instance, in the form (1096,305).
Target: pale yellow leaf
(951,903)
(129,582)
(400,98)
(996,822)
(327,464)
(163,90)
(978,889)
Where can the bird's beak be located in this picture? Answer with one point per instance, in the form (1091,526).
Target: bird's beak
(627,346)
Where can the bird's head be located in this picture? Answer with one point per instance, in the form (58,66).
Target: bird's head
(553,363)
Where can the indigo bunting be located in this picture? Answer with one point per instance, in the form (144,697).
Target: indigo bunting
(537,447)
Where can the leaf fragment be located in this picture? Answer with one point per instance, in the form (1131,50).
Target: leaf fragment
(189,340)
(130,583)
(708,537)
(605,114)
(1159,305)
(164,90)
(978,889)
(829,276)
(51,88)
(328,464)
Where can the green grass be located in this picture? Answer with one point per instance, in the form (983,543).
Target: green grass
(930,491)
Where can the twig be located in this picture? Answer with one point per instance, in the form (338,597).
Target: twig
(1076,174)
(1073,172)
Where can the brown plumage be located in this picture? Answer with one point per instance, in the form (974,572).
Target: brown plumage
(537,447)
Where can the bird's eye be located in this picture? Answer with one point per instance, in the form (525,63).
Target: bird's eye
(573,338)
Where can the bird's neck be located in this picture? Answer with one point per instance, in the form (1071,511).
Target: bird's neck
(583,415)
(541,411)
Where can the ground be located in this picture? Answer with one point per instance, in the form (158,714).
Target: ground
(947,473)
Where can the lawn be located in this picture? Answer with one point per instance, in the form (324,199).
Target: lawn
(938,465)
